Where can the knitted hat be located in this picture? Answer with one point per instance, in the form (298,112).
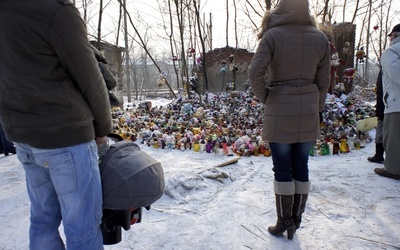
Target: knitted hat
(395,29)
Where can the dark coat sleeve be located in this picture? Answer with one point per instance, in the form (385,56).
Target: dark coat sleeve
(108,76)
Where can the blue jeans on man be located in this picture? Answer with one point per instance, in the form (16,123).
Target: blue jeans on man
(290,161)
(63,185)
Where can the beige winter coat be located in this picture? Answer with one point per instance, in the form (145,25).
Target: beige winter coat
(293,57)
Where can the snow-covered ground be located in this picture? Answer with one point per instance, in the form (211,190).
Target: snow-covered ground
(231,207)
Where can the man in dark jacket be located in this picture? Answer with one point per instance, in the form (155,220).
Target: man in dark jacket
(54,106)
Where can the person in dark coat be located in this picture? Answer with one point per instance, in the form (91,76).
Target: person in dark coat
(379,112)
(54,106)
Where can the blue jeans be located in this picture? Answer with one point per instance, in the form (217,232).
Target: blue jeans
(63,185)
(290,161)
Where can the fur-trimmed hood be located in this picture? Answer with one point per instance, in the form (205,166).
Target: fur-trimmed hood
(287,12)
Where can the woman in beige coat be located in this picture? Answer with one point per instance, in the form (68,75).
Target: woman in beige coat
(290,74)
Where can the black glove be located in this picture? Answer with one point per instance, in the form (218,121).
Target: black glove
(321,118)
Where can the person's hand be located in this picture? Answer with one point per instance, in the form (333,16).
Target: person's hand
(100,140)
(102,145)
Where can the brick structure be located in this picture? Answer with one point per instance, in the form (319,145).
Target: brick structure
(217,81)
(113,55)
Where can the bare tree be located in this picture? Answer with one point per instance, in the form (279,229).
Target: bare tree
(83,6)
(386,24)
(258,10)
(368,39)
(99,25)
(210,32)
(101,9)
(127,58)
(325,11)
(355,11)
(143,45)
(171,42)
(203,53)
(227,24)
(184,70)
(188,30)
(192,38)
(235,23)
(119,24)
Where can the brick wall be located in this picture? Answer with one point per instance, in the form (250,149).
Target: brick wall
(216,79)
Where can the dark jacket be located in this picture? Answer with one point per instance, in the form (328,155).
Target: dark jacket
(379,107)
(52,93)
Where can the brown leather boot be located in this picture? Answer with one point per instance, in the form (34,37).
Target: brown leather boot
(284,206)
(298,208)
(300,199)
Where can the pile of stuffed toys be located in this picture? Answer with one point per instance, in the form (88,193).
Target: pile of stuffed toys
(230,123)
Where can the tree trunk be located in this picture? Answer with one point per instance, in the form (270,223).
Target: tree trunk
(99,25)
(203,48)
(227,23)
(119,24)
(184,71)
(235,23)
(171,42)
(127,60)
(143,45)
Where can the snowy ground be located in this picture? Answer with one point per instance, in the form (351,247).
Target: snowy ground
(231,207)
